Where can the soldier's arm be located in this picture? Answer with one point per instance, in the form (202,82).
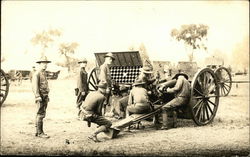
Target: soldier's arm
(130,98)
(177,86)
(80,82)
(103,73)
(35,86)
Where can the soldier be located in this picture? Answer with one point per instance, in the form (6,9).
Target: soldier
(82,86)
(19,78)
(138,101)
(146,76)
(92,108)
(32,72)
(105,75)
(182,95)
(41,91)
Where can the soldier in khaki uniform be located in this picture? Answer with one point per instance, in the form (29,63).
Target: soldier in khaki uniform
(146,76)
(182,95)
(91,111)
(41,91)
(138,101)
(82,86)
(105,75)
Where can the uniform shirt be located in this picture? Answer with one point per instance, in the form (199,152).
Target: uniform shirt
(82,80)
(40,85)
(105,75)
(93,102)
(181,88)
(138,95)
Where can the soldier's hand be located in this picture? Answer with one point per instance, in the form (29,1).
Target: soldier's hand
(167,90)
(39,99)
(83,93)
(108,90)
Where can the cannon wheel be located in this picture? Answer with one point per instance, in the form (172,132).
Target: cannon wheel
(204,100)
(224,79)
(4,87)
(93,79)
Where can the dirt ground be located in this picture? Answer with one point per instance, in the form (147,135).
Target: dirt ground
(228,135)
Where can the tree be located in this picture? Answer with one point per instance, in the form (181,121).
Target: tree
(66,49)
(143,53)
(45,38)
(193,36)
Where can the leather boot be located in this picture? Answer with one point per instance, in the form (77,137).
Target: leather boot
(164,120)
(40,132)
(174,119)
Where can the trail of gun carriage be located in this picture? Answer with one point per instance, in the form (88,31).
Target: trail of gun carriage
(214,120)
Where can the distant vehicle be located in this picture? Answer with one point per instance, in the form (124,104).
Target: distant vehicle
(18,74)
(52,75)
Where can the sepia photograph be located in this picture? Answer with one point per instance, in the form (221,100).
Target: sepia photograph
(125,78)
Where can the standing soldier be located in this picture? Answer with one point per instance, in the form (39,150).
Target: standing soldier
(92,108)
(105,75)
(82,86)
(32,73)
(41,90)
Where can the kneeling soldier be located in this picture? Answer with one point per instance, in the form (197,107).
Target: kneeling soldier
(138,101)
(91,110)
(41,90)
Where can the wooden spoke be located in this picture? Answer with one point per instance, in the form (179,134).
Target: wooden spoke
(199,108)
(198,91)
(206,104)
(211,102)
(197,104)
(93,85)
(227,85)
(224,87)
(92,77)
(201,113)
(198,97)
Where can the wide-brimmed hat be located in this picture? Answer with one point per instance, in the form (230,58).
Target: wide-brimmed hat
(102,85)
(146,69)
(139,82)
(110,55)
(84,60)
(43,59)
(180,74)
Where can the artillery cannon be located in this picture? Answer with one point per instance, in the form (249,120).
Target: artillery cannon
(4,87)
(203,102)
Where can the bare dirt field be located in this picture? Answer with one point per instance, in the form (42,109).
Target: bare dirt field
(228,135)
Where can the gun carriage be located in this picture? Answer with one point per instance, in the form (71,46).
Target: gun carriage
(203,102)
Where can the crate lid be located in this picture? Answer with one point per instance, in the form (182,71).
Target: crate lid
(125,58)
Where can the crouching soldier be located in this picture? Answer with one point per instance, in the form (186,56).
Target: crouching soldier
(138,101)
(41,90)
(182,95)
(82,86)
(91,111)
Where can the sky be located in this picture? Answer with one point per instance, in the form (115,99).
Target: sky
(102,26)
